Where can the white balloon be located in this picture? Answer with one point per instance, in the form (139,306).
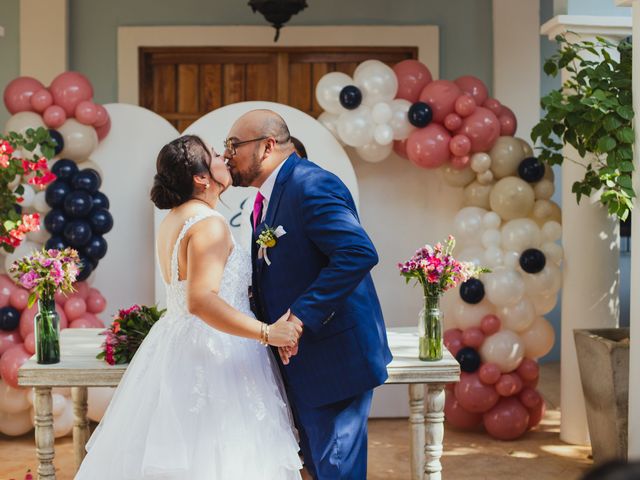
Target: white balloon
(551,231)
(63,423)
(543,189)
(544,303)
(546,282)
(328,91)
(473,254)
(480,162)
(13,184)
(466,315)
(15,424)
(491,238)
(374,152)
(23,121)
(13,400)
(493,257)
(28,196)
(79,140)
(518,317)
(485,178)
(511,259)
(99,398)
(383,134)
(538,338)
(92,165)
(377,81)
(503,286)
(399,122)
(520,234)
(40,202)
(504,348)
(467,225)
(59,403)
(25,248)
(39,237)
(355,127)
(330,122)
(491,220)
(553,252)
(381,113)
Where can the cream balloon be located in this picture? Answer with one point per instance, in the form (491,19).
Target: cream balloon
(15,424)
(511,259)
(551,231)
(553,252)
(504,348)
(544,189)
(381,113)
(99,398)
(491,238)
(40,202)
(538,338)
(447,304)
(506,155)
(457,178)
(543,304)
(520,234)
(546,211)
(374,152)
(63,423)
(39,237)
(466,315)
(518,317)
(467,225)
(493,257)
(473,254)
(383,134)
(512,198)
(355,127)
(17,180)
(546,282)
(23,121)
(377,81)
(328,91)
(28,196)
(59,403)
(486,178)
(330,122)
(13,400)
(491,220)
(399,122)
(548,173)
(79,140)
(477,195)
(503,286)
(93,165)
(527,151)
(480,162)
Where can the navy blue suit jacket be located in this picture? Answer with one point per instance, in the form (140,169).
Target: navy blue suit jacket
(320,269)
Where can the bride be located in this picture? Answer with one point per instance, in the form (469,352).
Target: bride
(202,398)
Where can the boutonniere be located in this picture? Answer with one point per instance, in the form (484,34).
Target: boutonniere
(268,238)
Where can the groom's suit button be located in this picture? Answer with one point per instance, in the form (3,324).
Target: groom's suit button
(329,318)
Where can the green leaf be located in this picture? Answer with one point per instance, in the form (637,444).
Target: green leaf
(32,299)
(606,144)
(611,122)
(625,135)
(625,111)
(625,181)
(626,166)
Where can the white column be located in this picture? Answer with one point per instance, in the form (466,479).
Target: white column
(591,243)
(43,38)
(516,59)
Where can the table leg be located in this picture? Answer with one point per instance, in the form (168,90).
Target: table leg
(44,433)
(416,419)
(434,431)
(81,430)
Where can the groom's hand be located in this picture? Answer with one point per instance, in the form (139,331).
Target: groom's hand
(287,352)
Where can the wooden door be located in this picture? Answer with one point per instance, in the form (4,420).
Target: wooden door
(184,83)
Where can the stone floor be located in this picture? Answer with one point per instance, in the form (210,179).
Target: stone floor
(539,455)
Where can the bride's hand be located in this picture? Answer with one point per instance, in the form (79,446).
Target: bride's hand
(284,333)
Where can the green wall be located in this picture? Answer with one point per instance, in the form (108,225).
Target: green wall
(465,28)
(9,48)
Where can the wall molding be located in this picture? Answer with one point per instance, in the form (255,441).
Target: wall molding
(587,25)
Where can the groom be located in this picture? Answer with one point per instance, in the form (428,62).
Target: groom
(320,270)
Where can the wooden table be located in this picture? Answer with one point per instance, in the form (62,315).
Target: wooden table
(79,369)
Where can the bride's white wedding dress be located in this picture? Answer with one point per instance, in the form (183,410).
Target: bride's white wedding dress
(196,403)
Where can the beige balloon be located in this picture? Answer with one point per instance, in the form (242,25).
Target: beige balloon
(79,140)
(15,424)
(512,198)
(477,195)
(22,121)
(480,162)
(504,348)
(538,338)
(526,148)
(544,189)
(457,178)
(486,178)
(548,173)
(506,156)
(546,211)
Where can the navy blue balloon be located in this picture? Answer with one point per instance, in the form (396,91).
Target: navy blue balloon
(96,248)
(78,204)
(469,359)
(9,318)
(88,179)
(77,233)
(57,139)
(55,221)
(101,221)
(531,170)
(64,169)
(86,267)
(420,114)
(350,97)
(472,291)
(55,243)
(17,208)
(56,193)
(100,200)
(532,260)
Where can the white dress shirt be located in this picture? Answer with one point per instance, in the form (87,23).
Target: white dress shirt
(267,189)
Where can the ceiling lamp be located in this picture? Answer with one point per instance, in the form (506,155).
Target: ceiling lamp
(277,12)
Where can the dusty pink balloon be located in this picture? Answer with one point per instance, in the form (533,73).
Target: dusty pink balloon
(536,414)
(483,129)
(458,416)
(530,398)
(472,337)
(507,420)
(490,324)
(74,308)
(429,147)
(104,130)
(441,96)
(19,298)
(451,334)
(18,92)
(460,163)
(453,122)
(54,116)
(64,322)
(69,89)
(508,122)
(30,343)
(60,298)
(465,105)
(400,147)
(473,395)
(86,112)
(94,319)
(102,116)
(489,373)
(96,303)
(531,383)
(528,369)
(454,346)
(509,384)
(9,339)
(460,145)
(10,362)
(26,320)
(473,86)
(494,105)
(41,100)
(6,287)
(81,323)
(82,289)
(413,76)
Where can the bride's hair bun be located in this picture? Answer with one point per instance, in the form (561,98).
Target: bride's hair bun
(163,196)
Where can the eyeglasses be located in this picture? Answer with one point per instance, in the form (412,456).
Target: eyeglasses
(230,145)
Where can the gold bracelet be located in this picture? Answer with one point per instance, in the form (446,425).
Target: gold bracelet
(266,335)
(261,339)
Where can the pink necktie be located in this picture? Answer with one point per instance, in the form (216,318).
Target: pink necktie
(257,210)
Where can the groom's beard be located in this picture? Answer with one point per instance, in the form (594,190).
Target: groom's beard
(246,178)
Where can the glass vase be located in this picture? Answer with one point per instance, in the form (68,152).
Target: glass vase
(47,331)
(430,329)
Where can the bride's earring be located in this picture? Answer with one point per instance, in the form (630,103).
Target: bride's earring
(206,186)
